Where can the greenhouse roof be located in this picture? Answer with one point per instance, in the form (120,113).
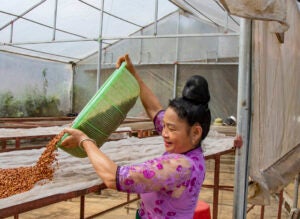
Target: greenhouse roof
(69,30)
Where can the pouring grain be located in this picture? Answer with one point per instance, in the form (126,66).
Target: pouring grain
(22,179)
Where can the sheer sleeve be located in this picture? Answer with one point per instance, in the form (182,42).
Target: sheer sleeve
(158,121)
(165,173)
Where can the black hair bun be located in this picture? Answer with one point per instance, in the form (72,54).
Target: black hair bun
(196,90)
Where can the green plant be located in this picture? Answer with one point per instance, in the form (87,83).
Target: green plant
(9,106)
(37,104)
(45,81)
(34,103)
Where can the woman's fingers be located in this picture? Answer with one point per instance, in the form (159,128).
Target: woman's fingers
(67,142)
(126,59)
(119,61)
(69,131)
(129,64)
(74,137)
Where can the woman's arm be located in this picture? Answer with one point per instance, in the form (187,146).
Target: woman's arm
(103,166)
(149,100)
(165,173)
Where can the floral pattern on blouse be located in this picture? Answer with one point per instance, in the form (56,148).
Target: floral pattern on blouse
(158,121)
(169,185)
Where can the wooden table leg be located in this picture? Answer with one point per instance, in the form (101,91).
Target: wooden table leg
(216,186)
(82,202)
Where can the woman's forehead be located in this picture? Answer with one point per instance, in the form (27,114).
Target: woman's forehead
(171,117)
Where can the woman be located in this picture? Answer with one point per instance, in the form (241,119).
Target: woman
(169,185)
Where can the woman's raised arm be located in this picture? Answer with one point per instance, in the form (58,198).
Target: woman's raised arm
(149,100)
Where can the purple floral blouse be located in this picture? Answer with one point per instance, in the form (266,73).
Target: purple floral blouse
(169,185)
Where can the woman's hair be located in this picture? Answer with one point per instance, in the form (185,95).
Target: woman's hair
(193,105)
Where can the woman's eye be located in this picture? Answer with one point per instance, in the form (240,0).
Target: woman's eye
(172,129)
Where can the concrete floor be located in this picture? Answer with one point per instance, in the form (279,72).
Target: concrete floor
(109,198)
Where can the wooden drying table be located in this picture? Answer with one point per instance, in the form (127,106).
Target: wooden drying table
(34,122)
(20,130)
(46,133)
(84,180)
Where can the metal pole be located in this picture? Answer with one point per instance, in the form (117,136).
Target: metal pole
(36,56)
(296,190)
(11,32)
(175,77)
(54,23)
(226,24)
(141,48)
(100,46)
(129,37)
(72,87)
(21,15)
(39,23)
(176,63)
(243,118)
(200,12)
(46,53)
(155,17)
(112,15)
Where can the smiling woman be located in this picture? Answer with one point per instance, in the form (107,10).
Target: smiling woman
(169,185)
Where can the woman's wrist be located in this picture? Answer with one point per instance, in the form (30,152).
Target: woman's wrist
(84,140)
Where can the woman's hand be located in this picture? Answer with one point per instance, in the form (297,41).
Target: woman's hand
(148,98)
(74,138)
(129,64)
(103,165)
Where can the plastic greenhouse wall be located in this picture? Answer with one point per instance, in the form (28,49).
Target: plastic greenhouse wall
(155,58)
(222,81)
(32,87)
(163,50)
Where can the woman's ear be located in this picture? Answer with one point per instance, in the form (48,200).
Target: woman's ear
(196,133)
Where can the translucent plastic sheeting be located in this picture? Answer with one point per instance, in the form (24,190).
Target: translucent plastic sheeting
(222,83)
(74,174)
(76,20)
(211,11)
(77,24)
(158,77)
(222,80)
(29,81)
(276,104)
(271,10)
(219,48)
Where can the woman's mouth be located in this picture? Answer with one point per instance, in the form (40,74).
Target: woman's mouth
(167,144)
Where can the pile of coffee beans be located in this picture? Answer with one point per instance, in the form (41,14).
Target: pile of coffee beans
(22,179)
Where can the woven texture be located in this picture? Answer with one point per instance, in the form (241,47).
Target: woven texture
(107,109)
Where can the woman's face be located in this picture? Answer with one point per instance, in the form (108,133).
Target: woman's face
(177,134)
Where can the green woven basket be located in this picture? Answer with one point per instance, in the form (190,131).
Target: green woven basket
(106,110)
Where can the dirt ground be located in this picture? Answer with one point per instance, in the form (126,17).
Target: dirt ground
(95,203)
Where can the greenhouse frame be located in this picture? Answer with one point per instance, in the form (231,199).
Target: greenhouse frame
(55,55)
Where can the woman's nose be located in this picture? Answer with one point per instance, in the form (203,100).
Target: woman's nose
(164,133)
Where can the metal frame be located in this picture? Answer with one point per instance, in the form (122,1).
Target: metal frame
(84,38)
(244,121)
(102,38)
